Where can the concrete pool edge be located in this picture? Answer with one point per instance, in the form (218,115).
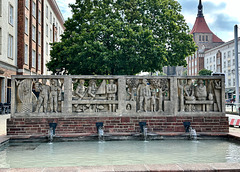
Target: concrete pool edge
(145,167)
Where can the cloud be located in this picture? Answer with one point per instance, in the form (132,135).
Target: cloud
(63,5)
(224,22)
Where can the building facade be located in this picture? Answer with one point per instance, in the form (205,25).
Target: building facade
(53,27)
(204,38)
(221,59)
(27,28)
(8,47)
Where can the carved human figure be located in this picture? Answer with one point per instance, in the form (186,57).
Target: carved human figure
(189,90)
(55,95)
(44,91)
(181,96)
(200,90)
(111,89)
(153,101)
(92,88)
(144,94)
(80,90)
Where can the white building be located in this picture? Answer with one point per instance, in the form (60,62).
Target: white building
(53,27)
(222,59)
(8,46)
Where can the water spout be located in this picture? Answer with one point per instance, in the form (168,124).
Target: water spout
(192,134)
(50,135)
(145,133)
(51,132)
(100,134)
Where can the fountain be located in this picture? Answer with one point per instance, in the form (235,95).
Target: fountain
(145,133)
(100,131)
(51,133)
(192,134)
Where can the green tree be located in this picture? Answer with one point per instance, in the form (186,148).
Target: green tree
(204,72)
(122,37)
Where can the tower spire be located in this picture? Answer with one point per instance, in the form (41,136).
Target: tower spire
(200,7)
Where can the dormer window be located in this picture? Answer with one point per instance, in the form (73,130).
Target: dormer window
(200,38)
(206,38)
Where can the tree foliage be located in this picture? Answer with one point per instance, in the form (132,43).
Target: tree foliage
(122,37)
(204,72)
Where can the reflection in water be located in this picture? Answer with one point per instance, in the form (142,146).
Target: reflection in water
(118,153)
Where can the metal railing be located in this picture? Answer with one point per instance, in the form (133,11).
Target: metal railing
(232,108)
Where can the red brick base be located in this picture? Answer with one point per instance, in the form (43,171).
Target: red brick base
(73,125)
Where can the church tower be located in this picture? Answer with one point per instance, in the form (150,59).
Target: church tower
(204,38)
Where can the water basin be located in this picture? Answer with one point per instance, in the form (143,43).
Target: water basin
(89,153)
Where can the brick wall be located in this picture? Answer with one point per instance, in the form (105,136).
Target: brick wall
(40,126)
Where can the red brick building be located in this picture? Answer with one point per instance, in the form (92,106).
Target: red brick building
(204,38)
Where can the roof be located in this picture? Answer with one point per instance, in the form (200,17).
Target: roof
(200,26)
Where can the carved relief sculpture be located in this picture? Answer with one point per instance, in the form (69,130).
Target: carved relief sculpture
(201,91)
(111,94)
(144,94)
(92,88)
(55,95)
(44,91)
(25,95)
(189,90)
(181,96)
(132,86)
(80,91)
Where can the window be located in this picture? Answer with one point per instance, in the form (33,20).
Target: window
(233,61)
(51,35)
(0,40)
(33,58)
(53,20)
(199,37)
(207,61)
(229,72)
(234,82)
(10,15)
(26,25)
(33,33)
(233,54)
(46,48)
(34,9)
(213,58)
(206,38)
(224,55)
(39,17)
(196,62)
(46,11)
(211,67)
(10,46)
(224,64)
(51,17)
(203,38)
(229,53)
(195,70)
(26,54)
(39,38)
(210,59)
(26,3)
(39,61)
(56,24)
(47,30)
(229,63)
(192,64)
(229,82)
(214,68)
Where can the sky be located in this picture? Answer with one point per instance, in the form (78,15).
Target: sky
(221,15)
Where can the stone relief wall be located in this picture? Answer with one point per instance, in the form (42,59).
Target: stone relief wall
(200,95)
(116,95)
